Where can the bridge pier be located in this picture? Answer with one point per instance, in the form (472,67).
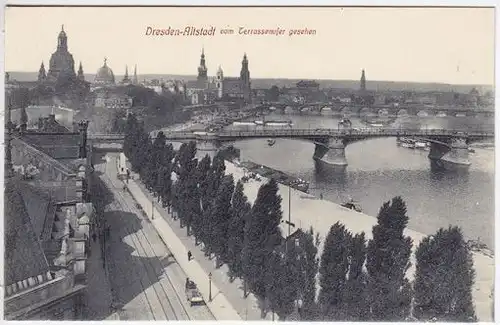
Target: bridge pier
(331,153)
(453,158)
(210,145)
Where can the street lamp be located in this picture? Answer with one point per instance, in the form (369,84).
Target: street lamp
(210,286)
(152,209)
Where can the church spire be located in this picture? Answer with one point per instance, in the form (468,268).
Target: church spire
(62,41)
(245,73)
(125,77)
(202,69)
(362,85)
(134,80)
(41,73)
(81,76)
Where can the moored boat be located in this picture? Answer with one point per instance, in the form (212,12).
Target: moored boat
(273,123)
(351,205)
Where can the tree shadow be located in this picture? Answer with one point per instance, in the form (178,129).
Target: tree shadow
(131,272)
(99,156)
(101,195)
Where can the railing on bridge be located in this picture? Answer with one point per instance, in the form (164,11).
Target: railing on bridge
(309,133)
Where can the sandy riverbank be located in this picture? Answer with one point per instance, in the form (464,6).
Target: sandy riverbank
(307,211)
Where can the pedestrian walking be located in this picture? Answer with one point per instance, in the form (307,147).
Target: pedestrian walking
(94,237)
(189,255)
(321,196)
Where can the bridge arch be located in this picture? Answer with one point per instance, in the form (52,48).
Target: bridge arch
(346,111)
(272,108)
(326,110)
(441,114)
(305,109)
(460,114)
(422,113)
(402,112)
(288,110)
(365,110)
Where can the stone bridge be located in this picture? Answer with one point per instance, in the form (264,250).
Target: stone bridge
(378,110)
(449,147)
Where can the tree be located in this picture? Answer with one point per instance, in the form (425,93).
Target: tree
(333,271)
(130,140)
(191,196)
(157,161)
(274,93)
(240,210)
(213,180)
(387,261)
(355,293)
(281,289)
(309,268)
(186,165)
(219,217)
(204,169)
(444,278)
(202,172)
(262,234)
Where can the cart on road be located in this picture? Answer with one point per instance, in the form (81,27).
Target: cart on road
(193,295)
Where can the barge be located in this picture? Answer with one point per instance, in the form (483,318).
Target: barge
(252,170)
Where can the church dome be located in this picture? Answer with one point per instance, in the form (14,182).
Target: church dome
(105,75)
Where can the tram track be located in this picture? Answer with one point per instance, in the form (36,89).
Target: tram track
(158,291)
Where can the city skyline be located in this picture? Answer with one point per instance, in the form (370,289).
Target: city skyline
(454,53)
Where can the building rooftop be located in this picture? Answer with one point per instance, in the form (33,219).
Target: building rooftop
(24,257)
(57,145)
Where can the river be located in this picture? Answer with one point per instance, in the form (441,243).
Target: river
(379,170)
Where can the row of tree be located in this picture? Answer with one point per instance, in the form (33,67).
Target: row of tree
(358,279)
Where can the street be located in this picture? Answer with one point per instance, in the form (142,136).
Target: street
(146,281)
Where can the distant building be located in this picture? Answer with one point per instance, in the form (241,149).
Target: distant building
(61,61)
(107,98)
(104,76)
(220,87)
(362,83)
(307,86)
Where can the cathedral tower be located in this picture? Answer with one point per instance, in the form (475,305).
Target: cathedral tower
(362,85)
(202,69)
(61,61)
(245,79)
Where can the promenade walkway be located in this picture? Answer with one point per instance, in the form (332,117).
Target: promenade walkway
(220,306)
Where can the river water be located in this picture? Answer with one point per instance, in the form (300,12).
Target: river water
(378,170)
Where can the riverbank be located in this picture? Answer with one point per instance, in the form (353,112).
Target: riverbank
(308,211)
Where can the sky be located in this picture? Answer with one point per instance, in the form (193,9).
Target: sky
(449,45)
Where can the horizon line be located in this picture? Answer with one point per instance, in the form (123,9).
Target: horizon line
(289,78)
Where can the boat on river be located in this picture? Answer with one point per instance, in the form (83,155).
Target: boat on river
(273,123)
(351,205)
(271,142)
(413,143)
(406,143)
